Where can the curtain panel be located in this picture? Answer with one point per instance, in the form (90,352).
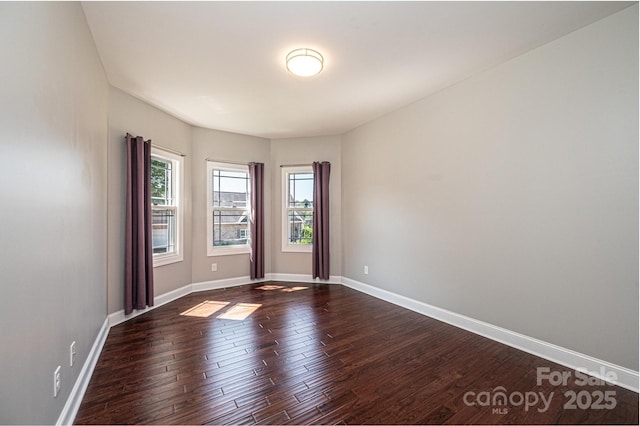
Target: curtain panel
(320,242)
(138,283)
(256,222)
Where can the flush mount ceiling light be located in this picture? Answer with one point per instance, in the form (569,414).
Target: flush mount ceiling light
(304,62)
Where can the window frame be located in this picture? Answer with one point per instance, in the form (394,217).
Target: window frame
(287,247)
(177,180)
(225,250)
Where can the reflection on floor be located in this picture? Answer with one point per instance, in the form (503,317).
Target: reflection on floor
(272,287)
(205,309)
(237,312)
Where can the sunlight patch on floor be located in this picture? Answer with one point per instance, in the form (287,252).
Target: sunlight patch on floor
(205,309)
(269,287)
(290,289)
(272,287)
(240,311)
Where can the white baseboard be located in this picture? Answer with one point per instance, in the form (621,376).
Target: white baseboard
(626,378)
(68,414)
(224,283)
(302,278)
(117,317)
(233,282)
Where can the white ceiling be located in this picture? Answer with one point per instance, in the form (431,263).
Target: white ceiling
(220,65)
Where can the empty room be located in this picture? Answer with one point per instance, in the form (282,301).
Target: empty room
(319,212)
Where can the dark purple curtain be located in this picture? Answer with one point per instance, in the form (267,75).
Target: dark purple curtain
(256,231)
(138,267)
(320,248)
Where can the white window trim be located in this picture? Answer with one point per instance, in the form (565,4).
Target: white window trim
(286,246)
(225,250)
(161,259)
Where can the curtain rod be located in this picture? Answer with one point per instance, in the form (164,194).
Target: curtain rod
(158,146)
(245,163)
(241,163)
(295,165)
(166,149)
(169,150)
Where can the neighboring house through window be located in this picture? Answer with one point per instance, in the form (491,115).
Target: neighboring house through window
(166,207)
(228,190)
(297,211)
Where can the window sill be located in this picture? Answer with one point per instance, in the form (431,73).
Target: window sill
(228,251)
(167,260)
(302,248)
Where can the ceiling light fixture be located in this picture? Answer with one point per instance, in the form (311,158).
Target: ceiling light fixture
(305,62)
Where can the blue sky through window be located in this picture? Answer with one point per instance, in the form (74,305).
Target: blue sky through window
(301,188)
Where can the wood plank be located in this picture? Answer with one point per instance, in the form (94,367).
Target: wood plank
(323,355)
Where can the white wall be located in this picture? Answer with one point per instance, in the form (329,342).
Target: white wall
(512,197)
(128,114)
(224,146)
(53,183)
(306,151)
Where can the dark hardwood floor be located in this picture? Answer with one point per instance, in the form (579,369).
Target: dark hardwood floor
(325,354)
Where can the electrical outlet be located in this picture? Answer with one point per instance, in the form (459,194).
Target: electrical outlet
(366,269)
(57,378)
(72,353)
(214,267)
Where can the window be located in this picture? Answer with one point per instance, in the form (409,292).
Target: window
(227,209)
(166,207)
(297,212)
